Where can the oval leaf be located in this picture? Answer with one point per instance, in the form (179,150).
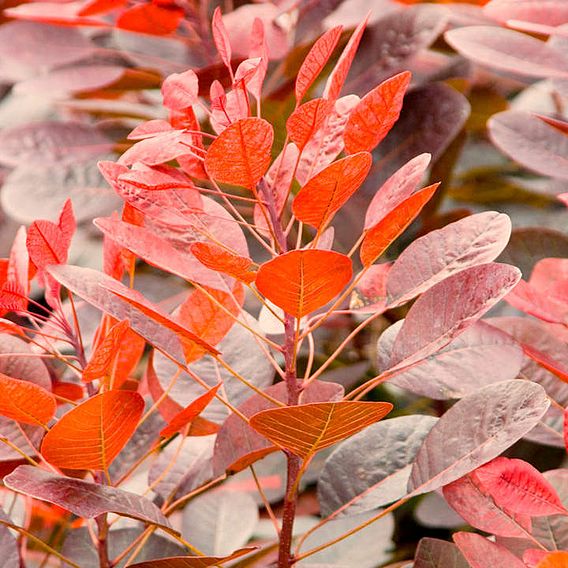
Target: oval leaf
(476,430)
(25,402)
(375,114)
(302,281)
(325,193)
(92,434)
(241,153)
(477,239)
(480,552)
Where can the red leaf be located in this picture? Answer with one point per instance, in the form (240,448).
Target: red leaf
(308,428)
(400,186)
(221,38)
(325,193)
(312,278)
(375,115)
(190,412)
(470,500)
(518,486)
(241,153)
(180,91)
(25,402)
(306,120)
(49,243)
(151,19)
(315,61)
(104,355)
(482,553)
(337,77)
(92,434)
(210,315)
(219,259)
(378,238)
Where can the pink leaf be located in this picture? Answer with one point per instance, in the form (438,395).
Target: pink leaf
(481,553)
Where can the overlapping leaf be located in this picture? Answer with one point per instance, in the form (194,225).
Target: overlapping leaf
(192,561)
(219,259)
(480,552)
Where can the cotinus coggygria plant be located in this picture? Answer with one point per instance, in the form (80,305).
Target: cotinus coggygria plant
(151,408)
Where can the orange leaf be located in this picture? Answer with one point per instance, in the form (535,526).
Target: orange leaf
(307,120)
(379,237)
(316,60)
(302,281)
(189,412)
(241,153)
(337,77)
(101,361)
(308,428)
(219,259)
(375,114)
(204,315)
(554,560)
(92,434)
(136,299)
(150,19)
(25,402)
(325,193)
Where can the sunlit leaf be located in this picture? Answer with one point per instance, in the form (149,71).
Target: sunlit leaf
(308,287)
(379,237)
(308,428)
(518,486)
(375,114)
(326,192)
(190,412)
(219,259)
(241,153)
(92,434)
(306,120)
(557,559)
(25,402)
(316,60)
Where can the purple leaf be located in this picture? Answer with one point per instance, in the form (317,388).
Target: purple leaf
(448,308)
(84,499)
(508,50)
(531,142)
(475,358)
(474,240)
(434,553)
(371,469)
(475,430)
(88,284)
